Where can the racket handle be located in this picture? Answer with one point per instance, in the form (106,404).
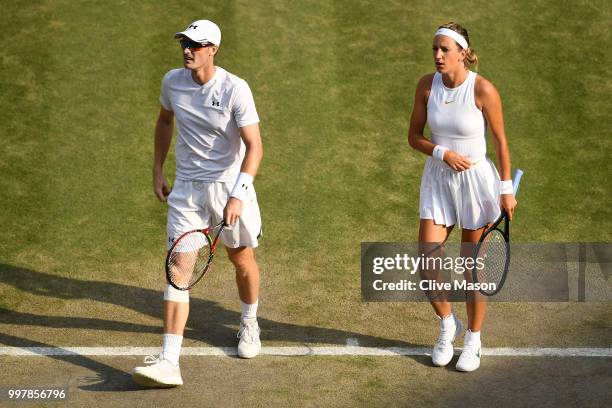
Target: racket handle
(517,180)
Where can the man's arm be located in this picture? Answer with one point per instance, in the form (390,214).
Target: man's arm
(163,138)
(250,164)
(254,149)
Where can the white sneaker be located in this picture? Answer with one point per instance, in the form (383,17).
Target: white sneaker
(249,345)
(469,360)
(158,373)
(443,350)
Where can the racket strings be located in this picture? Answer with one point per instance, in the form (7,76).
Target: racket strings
(188,259)
(493,252)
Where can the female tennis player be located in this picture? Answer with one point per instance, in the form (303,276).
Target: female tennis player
(460,185)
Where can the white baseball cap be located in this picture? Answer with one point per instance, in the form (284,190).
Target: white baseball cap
(202,31)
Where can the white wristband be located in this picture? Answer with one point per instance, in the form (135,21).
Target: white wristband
(505,187)
(244,183)
(438,152)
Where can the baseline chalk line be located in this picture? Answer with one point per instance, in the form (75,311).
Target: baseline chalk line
(348,350)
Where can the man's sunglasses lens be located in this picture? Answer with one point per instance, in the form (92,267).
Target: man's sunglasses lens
(192,45)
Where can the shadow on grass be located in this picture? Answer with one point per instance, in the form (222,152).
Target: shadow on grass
(208,322)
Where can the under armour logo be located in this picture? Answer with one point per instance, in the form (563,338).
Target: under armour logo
(216,103)
(193,26)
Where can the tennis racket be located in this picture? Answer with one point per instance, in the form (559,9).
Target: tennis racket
(191,256)
(493,249)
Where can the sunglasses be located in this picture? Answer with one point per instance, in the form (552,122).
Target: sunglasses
(192,45)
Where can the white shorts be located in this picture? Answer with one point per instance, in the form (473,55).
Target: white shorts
(197,204)
(468,198)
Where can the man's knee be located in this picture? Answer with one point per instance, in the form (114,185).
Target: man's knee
(242,258)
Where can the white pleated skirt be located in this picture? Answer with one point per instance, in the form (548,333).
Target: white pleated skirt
(469,199)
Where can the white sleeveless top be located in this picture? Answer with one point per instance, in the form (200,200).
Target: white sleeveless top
(455,121)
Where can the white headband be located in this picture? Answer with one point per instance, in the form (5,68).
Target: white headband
(454,35)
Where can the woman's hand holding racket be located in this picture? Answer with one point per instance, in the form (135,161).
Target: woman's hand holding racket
(508,203)
(493,248)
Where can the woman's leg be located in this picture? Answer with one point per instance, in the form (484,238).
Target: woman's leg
(476,304)
(469,360)
(431,243)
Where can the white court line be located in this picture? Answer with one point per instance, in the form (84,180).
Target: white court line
(303,351)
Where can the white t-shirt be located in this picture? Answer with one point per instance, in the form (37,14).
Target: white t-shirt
(208,144)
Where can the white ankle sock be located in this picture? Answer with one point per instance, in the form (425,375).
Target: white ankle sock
(171,348)
(248,311)
(448,322)
(472,337)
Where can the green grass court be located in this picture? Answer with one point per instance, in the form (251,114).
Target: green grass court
(83,241)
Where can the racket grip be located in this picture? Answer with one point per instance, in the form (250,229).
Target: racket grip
(517,180)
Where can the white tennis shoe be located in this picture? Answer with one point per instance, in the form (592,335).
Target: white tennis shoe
(443,350)
(159,373)
(249,345)
(469,360)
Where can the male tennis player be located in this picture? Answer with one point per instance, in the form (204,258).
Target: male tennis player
(218,151)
